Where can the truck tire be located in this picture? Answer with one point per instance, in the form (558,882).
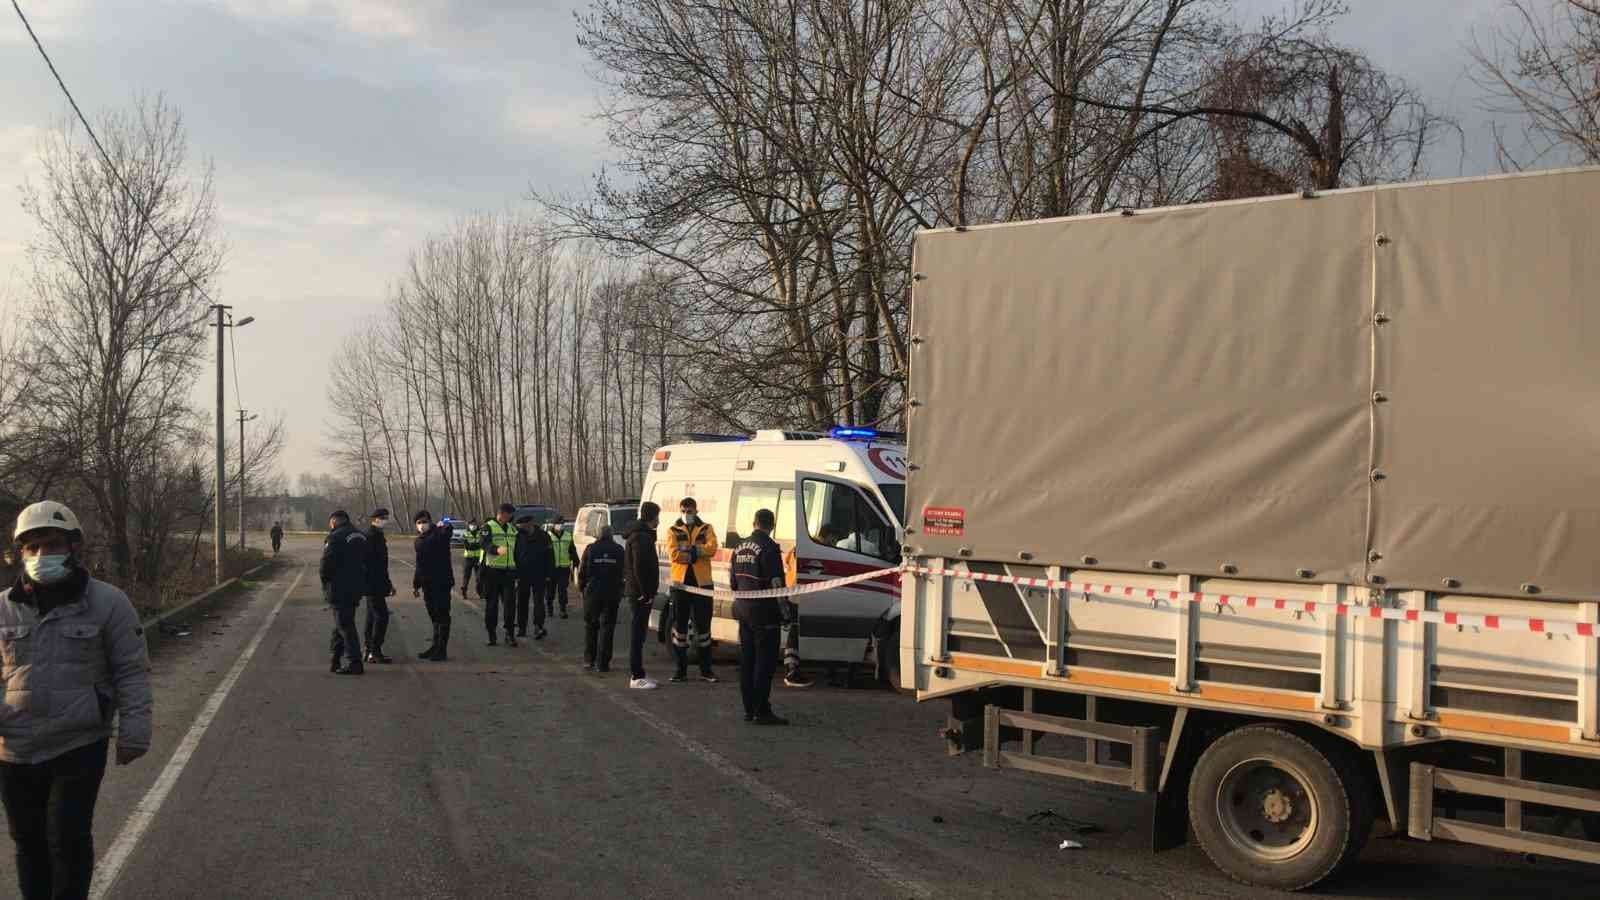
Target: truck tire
(1272,809)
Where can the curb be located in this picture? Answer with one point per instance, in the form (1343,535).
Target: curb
(197,599)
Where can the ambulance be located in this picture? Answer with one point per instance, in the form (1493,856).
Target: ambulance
(839,497)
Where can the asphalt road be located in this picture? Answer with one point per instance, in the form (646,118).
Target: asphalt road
(513,773)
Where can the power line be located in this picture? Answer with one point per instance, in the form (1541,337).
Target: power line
(110,166)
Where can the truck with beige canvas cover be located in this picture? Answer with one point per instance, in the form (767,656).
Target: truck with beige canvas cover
(1286,511)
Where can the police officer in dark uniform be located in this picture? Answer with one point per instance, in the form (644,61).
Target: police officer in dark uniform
(758,565)
(433,579)
(600,581)
(379,587)
(534,562)
(344,579)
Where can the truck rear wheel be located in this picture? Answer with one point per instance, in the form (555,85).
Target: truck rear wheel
(1272,809)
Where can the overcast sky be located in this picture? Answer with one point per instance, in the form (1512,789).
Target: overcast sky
(345,131)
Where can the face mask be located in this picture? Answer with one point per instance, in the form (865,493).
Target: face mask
(422,528)
(47,569)
(383,523)
(690,518)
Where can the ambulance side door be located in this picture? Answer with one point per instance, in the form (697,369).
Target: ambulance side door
(841,531)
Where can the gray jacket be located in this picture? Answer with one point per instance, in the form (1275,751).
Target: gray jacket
(68,674)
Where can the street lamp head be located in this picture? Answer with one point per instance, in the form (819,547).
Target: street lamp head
(244,321)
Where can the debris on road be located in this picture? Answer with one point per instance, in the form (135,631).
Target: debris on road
(1077,825)
(1071,845)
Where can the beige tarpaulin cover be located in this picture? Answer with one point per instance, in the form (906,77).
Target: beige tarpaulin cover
(1194,388)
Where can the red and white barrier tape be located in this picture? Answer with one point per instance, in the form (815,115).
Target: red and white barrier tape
(814,587)
(1093,589)
(1231,601)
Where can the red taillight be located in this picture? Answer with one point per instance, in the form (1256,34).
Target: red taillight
(663,454)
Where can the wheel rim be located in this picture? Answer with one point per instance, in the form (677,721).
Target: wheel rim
(1267,808)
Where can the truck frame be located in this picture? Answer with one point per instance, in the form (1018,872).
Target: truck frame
(1433,667)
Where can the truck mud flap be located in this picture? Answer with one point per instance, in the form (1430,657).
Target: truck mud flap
(1425,824)
(1141,774)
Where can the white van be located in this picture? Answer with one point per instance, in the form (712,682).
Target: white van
(851,488)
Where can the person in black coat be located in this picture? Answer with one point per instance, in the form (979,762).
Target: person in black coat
(433,579)
(379,587)
(600,582)
(535,561)
(757,566)
(344,580)
(641,581)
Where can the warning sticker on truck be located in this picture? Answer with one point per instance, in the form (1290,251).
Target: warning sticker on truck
(946,520)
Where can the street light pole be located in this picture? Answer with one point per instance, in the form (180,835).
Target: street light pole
(218,528)
(242,420)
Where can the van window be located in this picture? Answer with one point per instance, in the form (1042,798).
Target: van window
(593,521)
(896,495)
(839,516)
(622,518)
(750,496)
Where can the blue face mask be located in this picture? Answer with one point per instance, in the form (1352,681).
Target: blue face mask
(47,569)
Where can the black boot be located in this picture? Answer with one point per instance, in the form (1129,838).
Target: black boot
(433,644)
(511,638)
(441,637)
(375,654)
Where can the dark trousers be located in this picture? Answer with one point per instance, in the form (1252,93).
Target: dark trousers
(468,566)
(599,627)
(758,660)
(638,632)
(791,635)
(686,608)
(346,640)
(436,597)
(498,585)
(530,592)
(377,624)
(559,579)
(50,808)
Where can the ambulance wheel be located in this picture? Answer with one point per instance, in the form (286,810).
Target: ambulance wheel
(886,651)
(1272,809)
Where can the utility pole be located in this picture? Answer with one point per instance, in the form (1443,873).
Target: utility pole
(218,530)
(242,420)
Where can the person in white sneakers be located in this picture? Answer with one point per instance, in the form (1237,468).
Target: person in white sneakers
(641,581)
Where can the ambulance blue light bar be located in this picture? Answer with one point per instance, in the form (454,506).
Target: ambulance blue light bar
(843,433)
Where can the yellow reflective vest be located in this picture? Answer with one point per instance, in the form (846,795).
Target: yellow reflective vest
(496,535)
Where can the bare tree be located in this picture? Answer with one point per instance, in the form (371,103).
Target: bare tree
(1546,69)
(117,312)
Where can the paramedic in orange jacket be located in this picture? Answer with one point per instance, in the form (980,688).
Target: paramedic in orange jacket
(691,545)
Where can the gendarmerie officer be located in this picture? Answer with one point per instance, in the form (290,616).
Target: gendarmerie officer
(344,579)
(379,587)
(433,579)
(600,581)
(497,573)
(758,565)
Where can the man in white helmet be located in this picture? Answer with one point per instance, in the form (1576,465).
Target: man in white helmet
(73,663)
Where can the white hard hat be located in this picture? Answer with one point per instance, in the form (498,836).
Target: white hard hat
(46,514)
